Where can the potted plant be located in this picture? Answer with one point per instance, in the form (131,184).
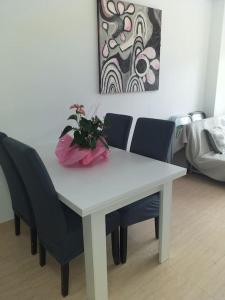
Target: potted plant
(83,143)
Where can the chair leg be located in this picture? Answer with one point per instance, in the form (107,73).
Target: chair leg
(65,280)
(17,224)
(157,228)
(123,245)
(115,246)
(42,255)
(33,241)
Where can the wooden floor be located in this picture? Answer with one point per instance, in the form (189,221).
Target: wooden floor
(195,271)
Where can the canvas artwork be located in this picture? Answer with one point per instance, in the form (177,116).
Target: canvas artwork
(129,47)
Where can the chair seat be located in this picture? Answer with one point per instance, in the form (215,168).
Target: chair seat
(72,245)
(140,211)
(112,219)
(73,220)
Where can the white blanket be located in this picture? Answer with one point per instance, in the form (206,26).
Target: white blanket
(198,151)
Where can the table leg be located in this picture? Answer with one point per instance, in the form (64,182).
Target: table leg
(95,256)
(164,221)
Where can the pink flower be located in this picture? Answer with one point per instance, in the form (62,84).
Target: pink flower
(79,109)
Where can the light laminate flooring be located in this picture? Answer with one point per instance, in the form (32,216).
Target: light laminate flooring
(195,271)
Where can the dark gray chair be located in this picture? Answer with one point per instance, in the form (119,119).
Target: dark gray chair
(117,129)
(20,201)
(59,228)
(152,138)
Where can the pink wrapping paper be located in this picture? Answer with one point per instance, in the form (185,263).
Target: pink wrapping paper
(73,156)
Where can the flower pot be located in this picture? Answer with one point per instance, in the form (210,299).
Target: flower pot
(74,156)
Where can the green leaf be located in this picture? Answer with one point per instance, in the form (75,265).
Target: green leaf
(93,143)
(86,125)
(72,117)
(65,131)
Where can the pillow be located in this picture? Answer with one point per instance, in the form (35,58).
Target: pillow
(216,139)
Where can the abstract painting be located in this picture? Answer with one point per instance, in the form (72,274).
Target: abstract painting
(129,47)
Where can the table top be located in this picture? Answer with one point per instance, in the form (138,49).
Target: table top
(87,190)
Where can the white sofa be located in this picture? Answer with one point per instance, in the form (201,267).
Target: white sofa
(198,151)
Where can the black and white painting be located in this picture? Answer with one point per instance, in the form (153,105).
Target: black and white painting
(129,47)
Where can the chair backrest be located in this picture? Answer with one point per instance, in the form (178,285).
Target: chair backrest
(117,129)
(20,200)
(153,138)
(49,216)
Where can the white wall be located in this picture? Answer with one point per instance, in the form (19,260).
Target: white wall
(219,108)
(214,56)
(215,90)
(48,54)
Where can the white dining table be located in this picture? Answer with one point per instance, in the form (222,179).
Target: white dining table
(92,192)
